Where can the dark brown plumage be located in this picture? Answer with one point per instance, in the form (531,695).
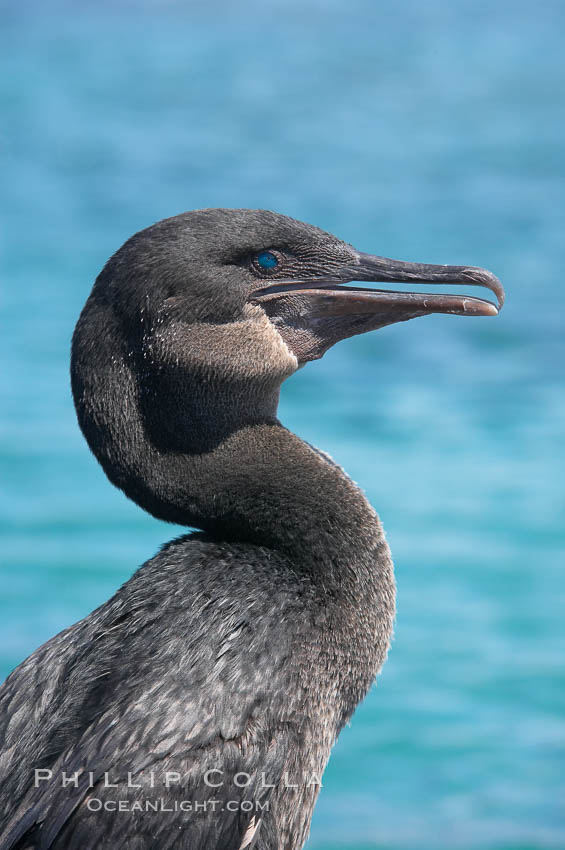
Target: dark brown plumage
(242,649)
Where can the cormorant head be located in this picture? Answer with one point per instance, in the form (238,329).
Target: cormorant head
(235,276)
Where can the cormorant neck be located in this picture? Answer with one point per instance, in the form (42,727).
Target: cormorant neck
(262,484)
(208,452)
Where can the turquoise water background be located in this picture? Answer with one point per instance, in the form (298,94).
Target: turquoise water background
(427,131)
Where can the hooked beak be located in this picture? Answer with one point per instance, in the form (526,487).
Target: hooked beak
(312,315)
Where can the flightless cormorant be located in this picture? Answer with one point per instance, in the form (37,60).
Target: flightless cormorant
(197,708)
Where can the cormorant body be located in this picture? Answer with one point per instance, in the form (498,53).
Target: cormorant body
(197,708)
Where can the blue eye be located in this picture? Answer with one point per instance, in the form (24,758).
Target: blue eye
(267,260)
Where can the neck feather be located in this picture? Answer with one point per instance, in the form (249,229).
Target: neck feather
(214,456)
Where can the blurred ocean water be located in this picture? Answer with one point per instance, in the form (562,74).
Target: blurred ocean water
(431,132)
